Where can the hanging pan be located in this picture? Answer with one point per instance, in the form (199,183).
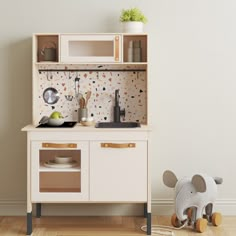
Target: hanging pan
(50,95)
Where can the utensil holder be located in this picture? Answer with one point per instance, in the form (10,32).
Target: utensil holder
(82,112)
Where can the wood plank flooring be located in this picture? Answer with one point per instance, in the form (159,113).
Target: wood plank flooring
(102,226)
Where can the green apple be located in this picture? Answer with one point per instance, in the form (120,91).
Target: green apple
(56,115)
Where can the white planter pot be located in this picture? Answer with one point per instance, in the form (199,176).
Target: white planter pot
(132,27)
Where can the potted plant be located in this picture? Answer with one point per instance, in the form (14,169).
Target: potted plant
(133,20)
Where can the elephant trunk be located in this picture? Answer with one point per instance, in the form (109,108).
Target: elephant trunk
(180,213)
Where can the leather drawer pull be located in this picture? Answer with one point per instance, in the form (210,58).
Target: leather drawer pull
(118,145)
(59,145)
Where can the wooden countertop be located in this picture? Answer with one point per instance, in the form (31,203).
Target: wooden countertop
(80,128)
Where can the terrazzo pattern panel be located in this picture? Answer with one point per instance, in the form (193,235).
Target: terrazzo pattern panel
(102,84)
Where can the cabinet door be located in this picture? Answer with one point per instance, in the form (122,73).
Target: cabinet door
(118,171)
(90,48)
(59,182)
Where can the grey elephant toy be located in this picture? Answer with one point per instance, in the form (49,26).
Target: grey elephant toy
(194,198)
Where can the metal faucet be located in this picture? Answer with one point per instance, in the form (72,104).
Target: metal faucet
(117,111)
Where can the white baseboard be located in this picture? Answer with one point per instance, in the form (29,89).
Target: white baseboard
(166,206)
(159,207)
(18,208)
(92,209)
(12,207)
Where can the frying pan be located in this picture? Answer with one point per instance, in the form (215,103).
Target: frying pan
(50,95)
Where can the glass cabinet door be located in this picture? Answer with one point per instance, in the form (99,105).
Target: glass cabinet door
(90,48)
(59,169)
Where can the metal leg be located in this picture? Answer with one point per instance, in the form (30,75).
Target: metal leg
(145,210)
(29,223)
(38,210)
(149,224)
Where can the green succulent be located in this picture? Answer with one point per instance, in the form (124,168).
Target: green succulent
(133,14)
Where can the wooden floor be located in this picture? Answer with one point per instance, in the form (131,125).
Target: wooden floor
(106,226)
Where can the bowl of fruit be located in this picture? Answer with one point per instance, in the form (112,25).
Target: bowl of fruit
(56,119)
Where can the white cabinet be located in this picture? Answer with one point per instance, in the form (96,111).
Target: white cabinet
(51,182)
(90,48)
(111,171)
(118,171)
(112,166)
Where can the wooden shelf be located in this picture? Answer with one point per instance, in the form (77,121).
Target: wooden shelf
(60,190)
(43,168)
(49,42)
(142,39)
(92,63)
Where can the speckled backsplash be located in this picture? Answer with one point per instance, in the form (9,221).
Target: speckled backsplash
(102,84)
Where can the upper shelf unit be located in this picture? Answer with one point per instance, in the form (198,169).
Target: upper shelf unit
(90,48)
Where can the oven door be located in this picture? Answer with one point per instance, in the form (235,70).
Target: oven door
(90,48)
(59,181)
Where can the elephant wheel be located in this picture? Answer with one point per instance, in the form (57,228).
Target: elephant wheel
(216,219)
(201,225)
(175,221)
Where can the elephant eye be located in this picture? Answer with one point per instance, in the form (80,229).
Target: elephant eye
(191,192)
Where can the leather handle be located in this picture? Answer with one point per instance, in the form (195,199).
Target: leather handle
(118,145)
(117,45)
(59,145)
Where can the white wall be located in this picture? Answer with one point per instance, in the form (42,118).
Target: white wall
(192,87)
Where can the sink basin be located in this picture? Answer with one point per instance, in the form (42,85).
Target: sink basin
(117,125)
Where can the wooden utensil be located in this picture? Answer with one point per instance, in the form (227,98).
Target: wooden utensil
(82,102)
(88,95)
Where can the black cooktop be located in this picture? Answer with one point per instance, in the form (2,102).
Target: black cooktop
(66,124)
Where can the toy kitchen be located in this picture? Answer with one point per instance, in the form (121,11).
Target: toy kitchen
(89,137)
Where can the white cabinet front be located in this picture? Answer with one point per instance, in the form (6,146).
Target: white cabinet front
(118,171)
(59,171)
(90,48)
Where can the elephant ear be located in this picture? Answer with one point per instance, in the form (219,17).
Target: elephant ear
(169,179)
(199,183)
